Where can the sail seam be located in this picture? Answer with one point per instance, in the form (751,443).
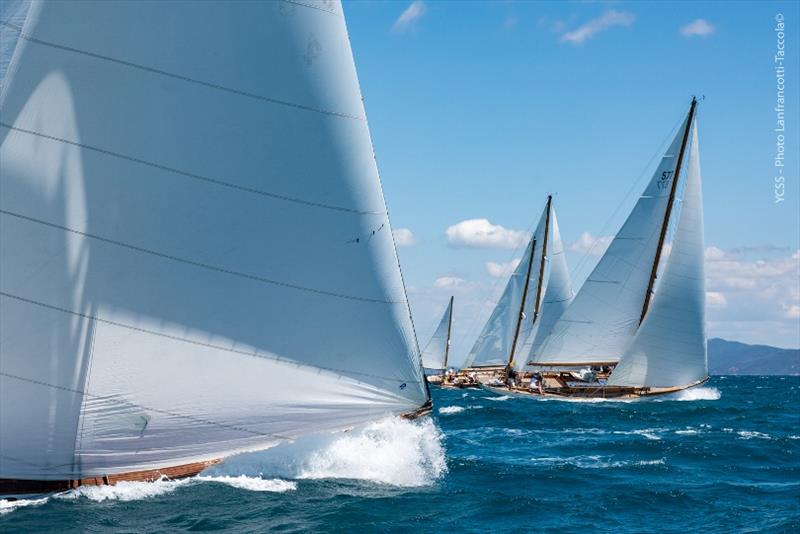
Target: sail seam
(310,6)
(340,372)
(181,77)
(148,408)
(192,175)
(197,263)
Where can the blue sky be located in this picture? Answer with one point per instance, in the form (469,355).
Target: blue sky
(479,109)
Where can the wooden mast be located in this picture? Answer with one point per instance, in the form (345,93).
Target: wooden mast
(522,305)
(449,328)
(648,295)
(544,256)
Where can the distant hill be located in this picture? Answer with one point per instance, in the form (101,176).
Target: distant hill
(734,358)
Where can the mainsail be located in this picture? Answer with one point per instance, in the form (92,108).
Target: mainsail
(669,348)
(195,252)
(602,319)
(436,352)
(557,295)
(509,323)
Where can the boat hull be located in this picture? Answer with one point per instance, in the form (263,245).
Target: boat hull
(19,487)
(578,393)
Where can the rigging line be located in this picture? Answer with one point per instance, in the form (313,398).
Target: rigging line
(192,175)
(340,372)
(147,408)
(197,263)
(311,6)
(181,77)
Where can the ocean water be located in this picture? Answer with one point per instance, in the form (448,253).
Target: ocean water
(722,458)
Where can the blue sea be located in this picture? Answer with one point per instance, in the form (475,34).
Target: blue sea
(722,458)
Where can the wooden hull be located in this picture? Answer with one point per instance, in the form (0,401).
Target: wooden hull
(592,393)
(13,486)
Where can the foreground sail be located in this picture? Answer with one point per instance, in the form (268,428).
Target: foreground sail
(619,337)
(171,205)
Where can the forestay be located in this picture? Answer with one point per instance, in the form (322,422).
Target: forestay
(434,355)
(601,320)
(196,256)
(670,346)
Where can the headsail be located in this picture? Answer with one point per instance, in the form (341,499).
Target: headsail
(495,344)
(436,352)
(670,346)
(600,322)
(171,205)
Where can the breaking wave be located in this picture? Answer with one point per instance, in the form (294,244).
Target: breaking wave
(125,490)
(8,506)
(392,451)
(695,394)
(500,398)
(447,410)
(252,483)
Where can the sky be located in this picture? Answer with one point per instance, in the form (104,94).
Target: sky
(478,110)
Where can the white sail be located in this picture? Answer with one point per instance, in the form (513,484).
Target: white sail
(493,346)
(434,355)
(601,320)
(195,253)
(557,295)
(669,349)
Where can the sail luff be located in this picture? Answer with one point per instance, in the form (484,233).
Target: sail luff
(543,260)
(665,224)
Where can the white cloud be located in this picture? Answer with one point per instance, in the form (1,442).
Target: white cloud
(498,270)
(448,282)
(792,312)
(607,20)
(716,299)
(698,27)
(403,237)
(589,244)
(482,233)
(407,18)
(714,253)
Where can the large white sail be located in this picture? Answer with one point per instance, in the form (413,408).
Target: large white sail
(601,320)
(557,295)
(493,346)
(195,252)
(669,349)
(434,355)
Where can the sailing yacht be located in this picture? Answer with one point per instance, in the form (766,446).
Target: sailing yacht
(623,336)
(537,293)
(170,206)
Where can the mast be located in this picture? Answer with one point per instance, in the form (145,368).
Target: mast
(649,294)
(522,304)
(449,329)
(541,265)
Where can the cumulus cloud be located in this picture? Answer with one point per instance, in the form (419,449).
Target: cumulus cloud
(589,244)
(482,233)
(408,18)
(698,28)
(607,20)
(448,282)
(716,299)
(498,270)
(403,237)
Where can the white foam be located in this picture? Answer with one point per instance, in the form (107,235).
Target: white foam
(393,451)
(8,506)
(125,490)
(252,483)
(500,398)
(447,410)
(746,434)
(593,462)
(695,394)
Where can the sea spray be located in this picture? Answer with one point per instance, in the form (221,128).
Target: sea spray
(392,451)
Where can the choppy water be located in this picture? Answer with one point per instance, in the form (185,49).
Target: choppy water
(724,458)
